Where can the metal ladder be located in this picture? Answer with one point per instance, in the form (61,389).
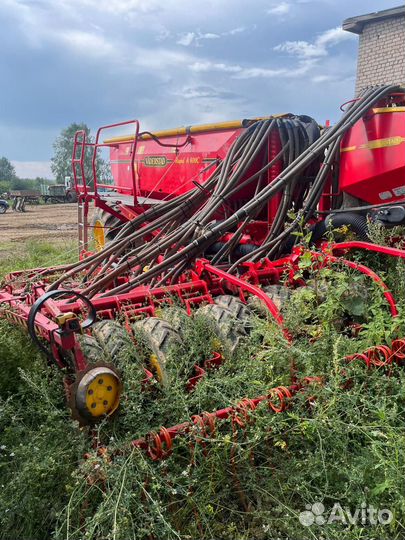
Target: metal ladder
(83,224)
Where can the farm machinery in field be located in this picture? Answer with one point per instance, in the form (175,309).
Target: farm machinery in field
(59,193)
(210,218)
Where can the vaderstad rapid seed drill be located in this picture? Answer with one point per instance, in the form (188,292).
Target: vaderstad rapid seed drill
(205,217)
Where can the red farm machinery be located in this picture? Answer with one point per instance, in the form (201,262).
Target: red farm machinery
(206,217)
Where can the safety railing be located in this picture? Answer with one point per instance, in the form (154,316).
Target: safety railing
(80,144)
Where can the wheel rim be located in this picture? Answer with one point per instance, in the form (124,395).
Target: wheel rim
(98,393)
(99,235)
(157,369)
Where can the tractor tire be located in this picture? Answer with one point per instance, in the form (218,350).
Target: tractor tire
(103,226)
(113,339)
(238,309)
(177,318)
(90,348)
(158,337)
(228,329)
(71,197)
(86,403)
(278,293)
(3,208)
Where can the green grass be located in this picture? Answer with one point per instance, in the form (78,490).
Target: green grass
(345,446)
(35,254)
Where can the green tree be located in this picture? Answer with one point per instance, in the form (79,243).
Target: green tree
(7,170)
(61,163)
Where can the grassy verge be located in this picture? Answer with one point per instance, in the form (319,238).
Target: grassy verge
(35,254)
(340,446)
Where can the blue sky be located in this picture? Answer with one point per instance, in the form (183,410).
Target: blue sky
(168,63)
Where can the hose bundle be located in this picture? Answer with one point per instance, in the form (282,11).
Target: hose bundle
(182,229)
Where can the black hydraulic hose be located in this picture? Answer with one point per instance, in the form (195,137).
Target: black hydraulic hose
(257,174)
(191,243)
(184,206)
(357,223)
(339,130)
(312,199)
(39,303)
(244,210)
(359,208)
(248,157)
(240,214)
(166,145)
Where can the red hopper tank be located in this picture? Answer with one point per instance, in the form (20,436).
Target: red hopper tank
(372,166)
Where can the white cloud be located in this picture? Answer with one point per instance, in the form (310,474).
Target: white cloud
(251,73)
(195,38)
(208,35)
(302,49)
(32,169)
(237,71)
(206,65)
(317,49)
(204,92)
(334,36)
(280,9)
(234,31)
(186,39)
(322,78)
(163,34)
(93,44)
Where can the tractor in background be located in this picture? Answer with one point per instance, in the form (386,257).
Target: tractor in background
(59,193)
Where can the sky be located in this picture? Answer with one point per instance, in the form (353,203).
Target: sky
(167,63)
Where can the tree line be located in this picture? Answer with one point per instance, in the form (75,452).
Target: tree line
(9,181)
(60,163)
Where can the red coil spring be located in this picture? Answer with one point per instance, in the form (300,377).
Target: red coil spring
(282,393)
(398,349)
(381,355)
(159,444)
(240,416)
(206,424)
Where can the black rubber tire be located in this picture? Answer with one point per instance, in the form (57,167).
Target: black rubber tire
(229,330)
(3,208)
(71,197)
(113,338)
(159,337)
(278,293)
(90,348)
(177,318)
(239,310)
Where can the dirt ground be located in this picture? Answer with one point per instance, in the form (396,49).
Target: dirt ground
(39,222)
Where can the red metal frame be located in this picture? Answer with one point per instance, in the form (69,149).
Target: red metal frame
(159,445)
(195,287)
(205,281)
(133,145)
(241,286)
(80,142)
(343,247)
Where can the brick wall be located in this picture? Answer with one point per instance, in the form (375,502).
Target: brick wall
(381,58)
